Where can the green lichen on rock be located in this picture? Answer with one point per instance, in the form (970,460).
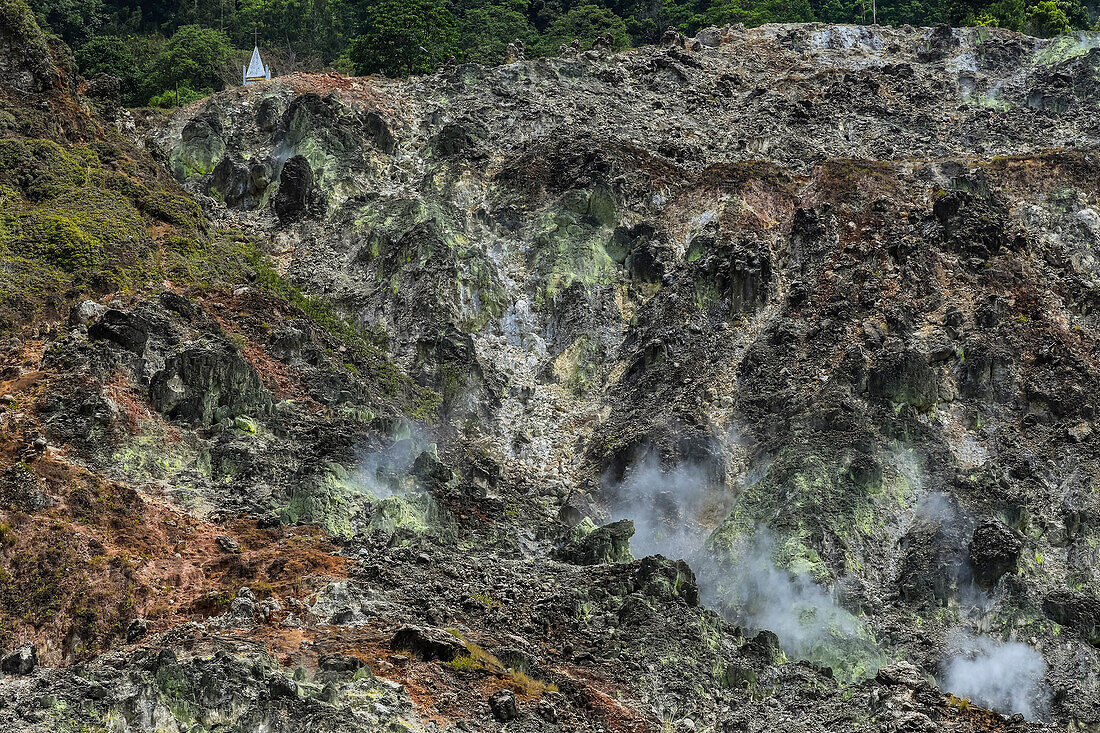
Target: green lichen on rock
(847,497)
(575,240)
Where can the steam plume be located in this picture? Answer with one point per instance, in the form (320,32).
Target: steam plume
(1005,676)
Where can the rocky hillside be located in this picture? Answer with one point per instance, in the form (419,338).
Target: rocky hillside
(744,383)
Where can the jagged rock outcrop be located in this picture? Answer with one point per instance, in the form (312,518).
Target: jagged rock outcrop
(804,316)
(841,302)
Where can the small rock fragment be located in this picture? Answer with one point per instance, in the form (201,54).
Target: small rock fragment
(227,544)
(503,705)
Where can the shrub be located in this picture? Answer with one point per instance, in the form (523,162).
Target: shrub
(400,37)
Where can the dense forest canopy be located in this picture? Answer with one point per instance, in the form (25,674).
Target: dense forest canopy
(171,51)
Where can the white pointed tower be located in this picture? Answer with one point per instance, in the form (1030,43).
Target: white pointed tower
(256,69)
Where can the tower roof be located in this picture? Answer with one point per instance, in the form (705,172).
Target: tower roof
(256,68)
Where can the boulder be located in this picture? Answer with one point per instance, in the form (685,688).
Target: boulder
(128,330)
(227,544)
(340,663)
(201,147)
(86,312)
(282,687)
(21,661)
(137,630)
(380,133)
(763,647)
(607,544)
(1076,609)
(667,579)
(240,184)
(205,383)
(298,195)
(503,705)
(428,643)
(710,37)
(994,550)
(903,674)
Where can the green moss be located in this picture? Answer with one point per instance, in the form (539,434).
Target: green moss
(43,169)
(68,221)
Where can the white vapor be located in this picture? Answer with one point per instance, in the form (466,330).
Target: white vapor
(674,513)
(1005,676)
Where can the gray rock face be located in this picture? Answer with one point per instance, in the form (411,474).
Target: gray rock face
(207,383)
(994,551)
(847,332)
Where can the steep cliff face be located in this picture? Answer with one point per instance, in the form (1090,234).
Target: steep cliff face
(810,307)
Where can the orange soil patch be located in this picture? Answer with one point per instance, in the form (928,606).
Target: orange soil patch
(73,575)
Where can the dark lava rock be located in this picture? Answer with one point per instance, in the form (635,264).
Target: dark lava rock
(227,544)
(994,550)
(1078,610)
(282,687)
(240,184)
(380,132)
(764,647)
(609,543)
(666,579)
(503,705)
(137,630)
(125,329)
(22,661)
(340,663)
(298,195)
(204,384)
(902,674)
(22,490)
(428,643)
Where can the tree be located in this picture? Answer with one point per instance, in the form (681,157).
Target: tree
(76,21)
(113,55)
(193,58)
(484,32)
(399,37)
(585,23)
(1046,19)
(758,12)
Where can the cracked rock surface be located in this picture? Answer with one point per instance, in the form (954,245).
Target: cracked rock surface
(740,385)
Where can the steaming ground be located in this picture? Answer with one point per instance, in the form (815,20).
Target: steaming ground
(673,512)
(1003,676)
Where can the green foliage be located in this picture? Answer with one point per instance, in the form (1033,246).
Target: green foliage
(124,37)
(464,663)
(112,55)
(193,58)
(758,12)
(485,31)
(1046,19)
(584,23)
(75,21)
(180,97)
(401,37)
(68,222)
(42,168)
